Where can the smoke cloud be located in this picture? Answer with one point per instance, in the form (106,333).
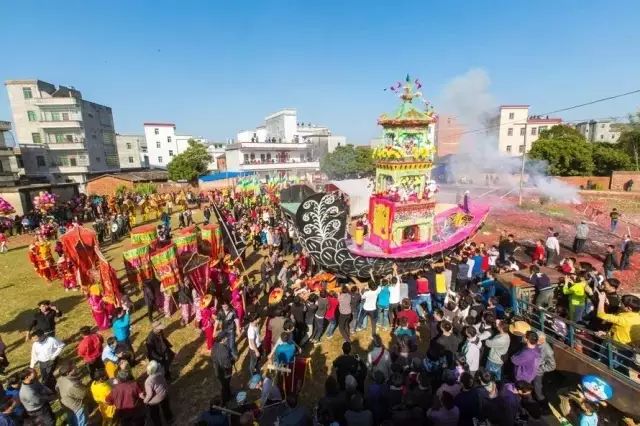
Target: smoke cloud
(468,99)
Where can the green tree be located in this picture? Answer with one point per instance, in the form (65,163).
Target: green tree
(189,164)
(565,151)
(629,140)
(607,158)
(348,162)
(145,188)
(121,190)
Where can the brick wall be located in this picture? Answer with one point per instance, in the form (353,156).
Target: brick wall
(581,181)
(106,185)
(619,178)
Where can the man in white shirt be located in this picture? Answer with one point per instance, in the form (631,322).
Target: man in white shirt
(44,353)
(552,246)
(369,299)
(255,341)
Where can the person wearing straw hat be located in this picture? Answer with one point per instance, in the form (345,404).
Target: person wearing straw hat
(207,319)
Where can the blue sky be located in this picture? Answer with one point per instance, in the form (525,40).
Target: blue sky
(216,67)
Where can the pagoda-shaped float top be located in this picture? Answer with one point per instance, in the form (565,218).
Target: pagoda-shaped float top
(407,114)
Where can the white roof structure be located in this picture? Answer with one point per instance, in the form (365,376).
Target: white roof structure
(358,191)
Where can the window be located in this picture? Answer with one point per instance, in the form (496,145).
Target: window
(143,149)
(20,162)
(169,139)
(601,136)
(156,131)
(522,131)
(157,144)
(541,128)
(65,116)
(68,138)
(59,138)
(160,159)
(510,131)
(246,158)
(40,161)
(130,160)
(511,115)
(521,149)
(98,159)
(73,161)
(534,131)
(32,116)
(35,137)
(508,148)
(26,92)
(55,116)
(170,153)
(128,145)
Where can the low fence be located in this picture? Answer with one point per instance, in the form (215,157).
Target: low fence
(619,360)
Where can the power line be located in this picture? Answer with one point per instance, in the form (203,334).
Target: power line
(608,98)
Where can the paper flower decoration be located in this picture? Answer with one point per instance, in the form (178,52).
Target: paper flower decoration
(5,207)
(44,201)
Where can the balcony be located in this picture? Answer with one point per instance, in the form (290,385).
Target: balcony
(8,178)
(269,146)
(258,166)
(59,146)
(69,169)
(54,101)
(5,126)
(6,151)
(62,124)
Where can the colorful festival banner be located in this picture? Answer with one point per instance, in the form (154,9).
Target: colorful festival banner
(137,262)
(186,240)
(165,265)
(145,234)
(212,241)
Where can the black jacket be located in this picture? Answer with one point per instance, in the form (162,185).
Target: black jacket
(158,347)
(610,262)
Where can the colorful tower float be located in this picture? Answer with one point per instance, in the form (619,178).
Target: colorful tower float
(402,208)
(407,226)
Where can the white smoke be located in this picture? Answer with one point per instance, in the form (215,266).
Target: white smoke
(468,99)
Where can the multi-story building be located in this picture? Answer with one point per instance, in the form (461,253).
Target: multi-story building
(514,122)
(163,143)
(600,130)
(282,146)
(68,137)
(132,151)
(448,135)
(10,159)
(216,150)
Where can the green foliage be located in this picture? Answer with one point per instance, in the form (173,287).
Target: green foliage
(629,140)
(189,164)
(348,162)
(121,190)
(146,188)
(608,157)
(565,151)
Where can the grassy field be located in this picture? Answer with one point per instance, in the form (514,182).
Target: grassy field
(194,383)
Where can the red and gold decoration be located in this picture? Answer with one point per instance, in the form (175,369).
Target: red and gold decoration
(137,263)
(44,202)
(166,268)
(186,240)
(145,234)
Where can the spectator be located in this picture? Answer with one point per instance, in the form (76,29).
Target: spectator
(628,247)
(625,327)
(126,395)
(356,415)
(498,347)
(609,264)
(156,395)
(547,365)
(582,232)
(72,394)
(445,412)
(90,350)
(35,398)
(527,360)
(44,354)
(552,247)
(467,401)
(159,348)
(100,389)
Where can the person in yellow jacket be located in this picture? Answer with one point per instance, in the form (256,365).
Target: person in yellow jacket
(625,325)
(577,290)
(100,389)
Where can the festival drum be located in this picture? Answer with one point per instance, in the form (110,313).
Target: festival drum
(166,268)
(137,263)
(186,240)
(211,236)
(145,234)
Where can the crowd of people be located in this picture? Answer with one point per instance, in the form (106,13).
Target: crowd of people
(446,348)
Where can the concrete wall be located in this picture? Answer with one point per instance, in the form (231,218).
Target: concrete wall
(131,151)
(106,185)
(619,178)
(581,181)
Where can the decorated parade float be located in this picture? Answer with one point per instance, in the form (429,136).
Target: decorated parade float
(406,224)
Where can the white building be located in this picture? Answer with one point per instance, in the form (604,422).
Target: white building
(282,146)
(10,161)
(600,130)
(68,137)
(215,150)
(132,151)
(514,122)
(163,143)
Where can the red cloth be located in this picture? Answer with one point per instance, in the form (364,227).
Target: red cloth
(90,348)
(110,283)
(331,309)
(422,285)
(79,244)
(125,396)
(538,254)
(485,263)
(411,316)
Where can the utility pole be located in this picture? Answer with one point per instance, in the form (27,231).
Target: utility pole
(524,156)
